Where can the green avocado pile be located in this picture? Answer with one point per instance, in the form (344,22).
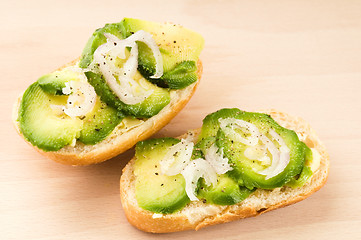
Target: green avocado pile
(50,130)
(160,193)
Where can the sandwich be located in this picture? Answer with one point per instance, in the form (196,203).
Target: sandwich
(238,164)
(131,79)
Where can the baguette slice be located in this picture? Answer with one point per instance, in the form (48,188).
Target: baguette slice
(118,141)
(197,215)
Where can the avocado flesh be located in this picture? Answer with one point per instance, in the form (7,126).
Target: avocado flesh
(245,170)
(306,173)
(99,123)
(180,49)
(145,109)
(90,129)
(211,124)
(226,192)
(43,126)
(98,39)
(154,191)
(54,82)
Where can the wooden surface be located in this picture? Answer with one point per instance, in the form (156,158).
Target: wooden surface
(302,57)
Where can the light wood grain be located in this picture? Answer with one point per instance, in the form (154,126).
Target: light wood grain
(302,57)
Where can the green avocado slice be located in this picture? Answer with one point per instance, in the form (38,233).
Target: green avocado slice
(38,101)
(43,126)
(306,173)
(54,82)
(246,171)
(146,109)
(249,169)
(226,192)
(154,191)
(99,123)
(98,39)
(180,49)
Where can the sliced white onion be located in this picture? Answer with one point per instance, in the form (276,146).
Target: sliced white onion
(258,153)
(177,158)
(128,90)
(81,99)
(214,156)
(146,38)
(228,125)
(125,88)
(280,157)
(193,171)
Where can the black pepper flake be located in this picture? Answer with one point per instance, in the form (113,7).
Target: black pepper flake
(156,173)
(162,184)
(174,41)
(97,129)
(115,44)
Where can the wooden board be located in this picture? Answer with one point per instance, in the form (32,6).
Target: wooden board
(302,57)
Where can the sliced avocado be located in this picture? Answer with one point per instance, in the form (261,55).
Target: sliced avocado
(180,49)
(210,125)
(99,123)
(246,170)
(54,82)
(154,191)
(148,108)
(43,126)
(98,39)
(306,173)
(226,192)
(184,74)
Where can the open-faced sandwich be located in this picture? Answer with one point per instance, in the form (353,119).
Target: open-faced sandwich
(132,78)
(239,164)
